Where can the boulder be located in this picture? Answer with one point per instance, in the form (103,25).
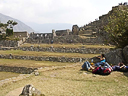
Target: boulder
(125,53)
(29,90)
(115,56)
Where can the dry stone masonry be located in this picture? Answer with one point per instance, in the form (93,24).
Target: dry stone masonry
(67,50)
(44,58)
(22,70)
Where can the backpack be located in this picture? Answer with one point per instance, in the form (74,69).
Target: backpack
(107,71)
(102,71)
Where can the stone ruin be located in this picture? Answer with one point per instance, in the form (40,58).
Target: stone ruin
(75,30)
(29,90)
(91,33)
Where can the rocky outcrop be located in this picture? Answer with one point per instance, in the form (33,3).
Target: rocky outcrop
(125,53)
(118,55)
(29,90)
(115,56)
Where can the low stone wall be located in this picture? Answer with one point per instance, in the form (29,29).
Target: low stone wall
(8,43)
(66,39)
(22,70)
(44,58)
(67,50)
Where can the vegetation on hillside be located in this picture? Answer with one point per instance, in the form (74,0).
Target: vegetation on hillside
(8,28)
(117,26)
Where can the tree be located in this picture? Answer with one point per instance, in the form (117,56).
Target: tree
(11,23)
(9,30)
(117,26)
(8,27)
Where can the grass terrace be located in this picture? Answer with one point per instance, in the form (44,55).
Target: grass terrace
(67,45)
(30,63)
(34,53)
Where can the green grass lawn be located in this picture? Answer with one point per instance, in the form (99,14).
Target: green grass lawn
(67,45)
(34,53)
(73,82)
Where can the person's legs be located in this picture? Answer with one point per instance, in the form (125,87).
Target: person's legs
(98,64)
(86,65)
(106,65)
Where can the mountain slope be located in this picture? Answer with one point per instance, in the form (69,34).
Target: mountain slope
(19,27)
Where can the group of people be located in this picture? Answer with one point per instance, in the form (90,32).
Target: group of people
(125,3)
(103,67)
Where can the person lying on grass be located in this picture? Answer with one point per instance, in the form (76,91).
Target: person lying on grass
(105,69)
(120,67)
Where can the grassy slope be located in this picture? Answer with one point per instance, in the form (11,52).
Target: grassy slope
(72,82)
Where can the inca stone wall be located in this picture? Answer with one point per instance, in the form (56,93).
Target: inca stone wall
(11,43)
(67,50)
(66,39)
(21,34)
(6,43)
(44,58)
(22,70)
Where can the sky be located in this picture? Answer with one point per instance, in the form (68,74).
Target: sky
(78,12)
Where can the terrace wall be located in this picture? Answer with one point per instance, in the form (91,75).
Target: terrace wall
(45,58)
(22,70)
(67,50)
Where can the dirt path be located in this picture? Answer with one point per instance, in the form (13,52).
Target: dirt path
(15,92)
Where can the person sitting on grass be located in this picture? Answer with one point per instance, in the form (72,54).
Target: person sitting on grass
(102,60)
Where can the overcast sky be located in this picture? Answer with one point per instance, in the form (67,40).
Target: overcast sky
(57,11)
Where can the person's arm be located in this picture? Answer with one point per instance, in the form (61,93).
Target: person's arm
(122,66)
(102,58)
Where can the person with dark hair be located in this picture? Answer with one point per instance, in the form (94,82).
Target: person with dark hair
(102,70)
(120,67)
(123,67)
(102,60)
